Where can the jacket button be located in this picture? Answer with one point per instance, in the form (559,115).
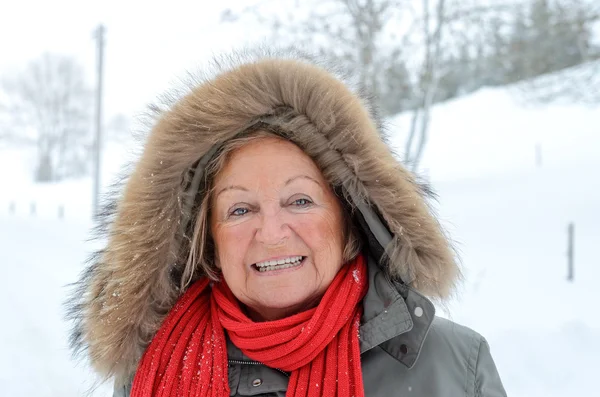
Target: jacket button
(418,311)
(257,382)
(403,348)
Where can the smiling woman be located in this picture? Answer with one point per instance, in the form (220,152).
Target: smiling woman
(273,205)
(269,243)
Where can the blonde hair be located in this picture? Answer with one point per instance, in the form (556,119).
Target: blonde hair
(202,250)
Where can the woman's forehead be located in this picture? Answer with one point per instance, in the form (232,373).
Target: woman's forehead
(269,159)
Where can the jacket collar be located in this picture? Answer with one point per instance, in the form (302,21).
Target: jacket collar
(396,317)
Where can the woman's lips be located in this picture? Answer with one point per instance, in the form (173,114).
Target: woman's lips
(277,266)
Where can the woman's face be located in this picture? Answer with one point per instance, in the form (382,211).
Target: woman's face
(277,227)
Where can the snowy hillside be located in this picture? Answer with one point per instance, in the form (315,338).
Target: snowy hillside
(507,215)
(496,132)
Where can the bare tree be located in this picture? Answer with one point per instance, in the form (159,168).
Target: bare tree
(460,40)
(364,36)
(394,46)
(561,45)
(433,27)
(47,105)
(411,54)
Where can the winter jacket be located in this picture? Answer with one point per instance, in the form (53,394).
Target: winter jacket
(134,280)
(405,349)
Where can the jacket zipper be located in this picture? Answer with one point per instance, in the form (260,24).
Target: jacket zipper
(256,363)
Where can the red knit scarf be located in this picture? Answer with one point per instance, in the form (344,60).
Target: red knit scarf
(188,355)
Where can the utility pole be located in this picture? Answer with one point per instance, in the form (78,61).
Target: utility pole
(99,36)
(571,252)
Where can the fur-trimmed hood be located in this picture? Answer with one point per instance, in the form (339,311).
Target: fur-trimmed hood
(131,283)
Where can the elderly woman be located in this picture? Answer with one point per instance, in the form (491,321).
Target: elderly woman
(269,243)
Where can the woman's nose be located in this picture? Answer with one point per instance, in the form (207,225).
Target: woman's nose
(272,230)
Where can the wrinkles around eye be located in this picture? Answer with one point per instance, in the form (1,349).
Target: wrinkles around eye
(237,210)
(240,210)
(302,203)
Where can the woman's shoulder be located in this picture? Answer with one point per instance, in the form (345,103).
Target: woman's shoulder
(453,360)
(457,342)
(444,330)
(442,338)
(450,343)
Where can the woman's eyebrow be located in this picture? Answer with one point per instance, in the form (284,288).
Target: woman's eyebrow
(231,187)
(290,180)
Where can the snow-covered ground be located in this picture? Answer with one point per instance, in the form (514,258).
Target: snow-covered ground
(507,215)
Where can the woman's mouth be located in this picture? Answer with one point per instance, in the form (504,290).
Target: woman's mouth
(279,264)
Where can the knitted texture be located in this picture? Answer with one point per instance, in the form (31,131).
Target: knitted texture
(320,346)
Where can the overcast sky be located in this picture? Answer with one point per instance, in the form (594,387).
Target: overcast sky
(147,46)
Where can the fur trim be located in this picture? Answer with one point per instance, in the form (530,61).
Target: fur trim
(132,283)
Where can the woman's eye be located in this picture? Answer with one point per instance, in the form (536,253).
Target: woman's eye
(302,202)
(239,211)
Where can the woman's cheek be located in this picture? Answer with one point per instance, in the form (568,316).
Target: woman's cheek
(236,234)
(312,228)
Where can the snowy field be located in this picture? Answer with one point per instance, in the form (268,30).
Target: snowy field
(507,215)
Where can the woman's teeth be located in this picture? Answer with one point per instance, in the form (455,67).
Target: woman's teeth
(279,264)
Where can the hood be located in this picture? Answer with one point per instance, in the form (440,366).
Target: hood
(130,284)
